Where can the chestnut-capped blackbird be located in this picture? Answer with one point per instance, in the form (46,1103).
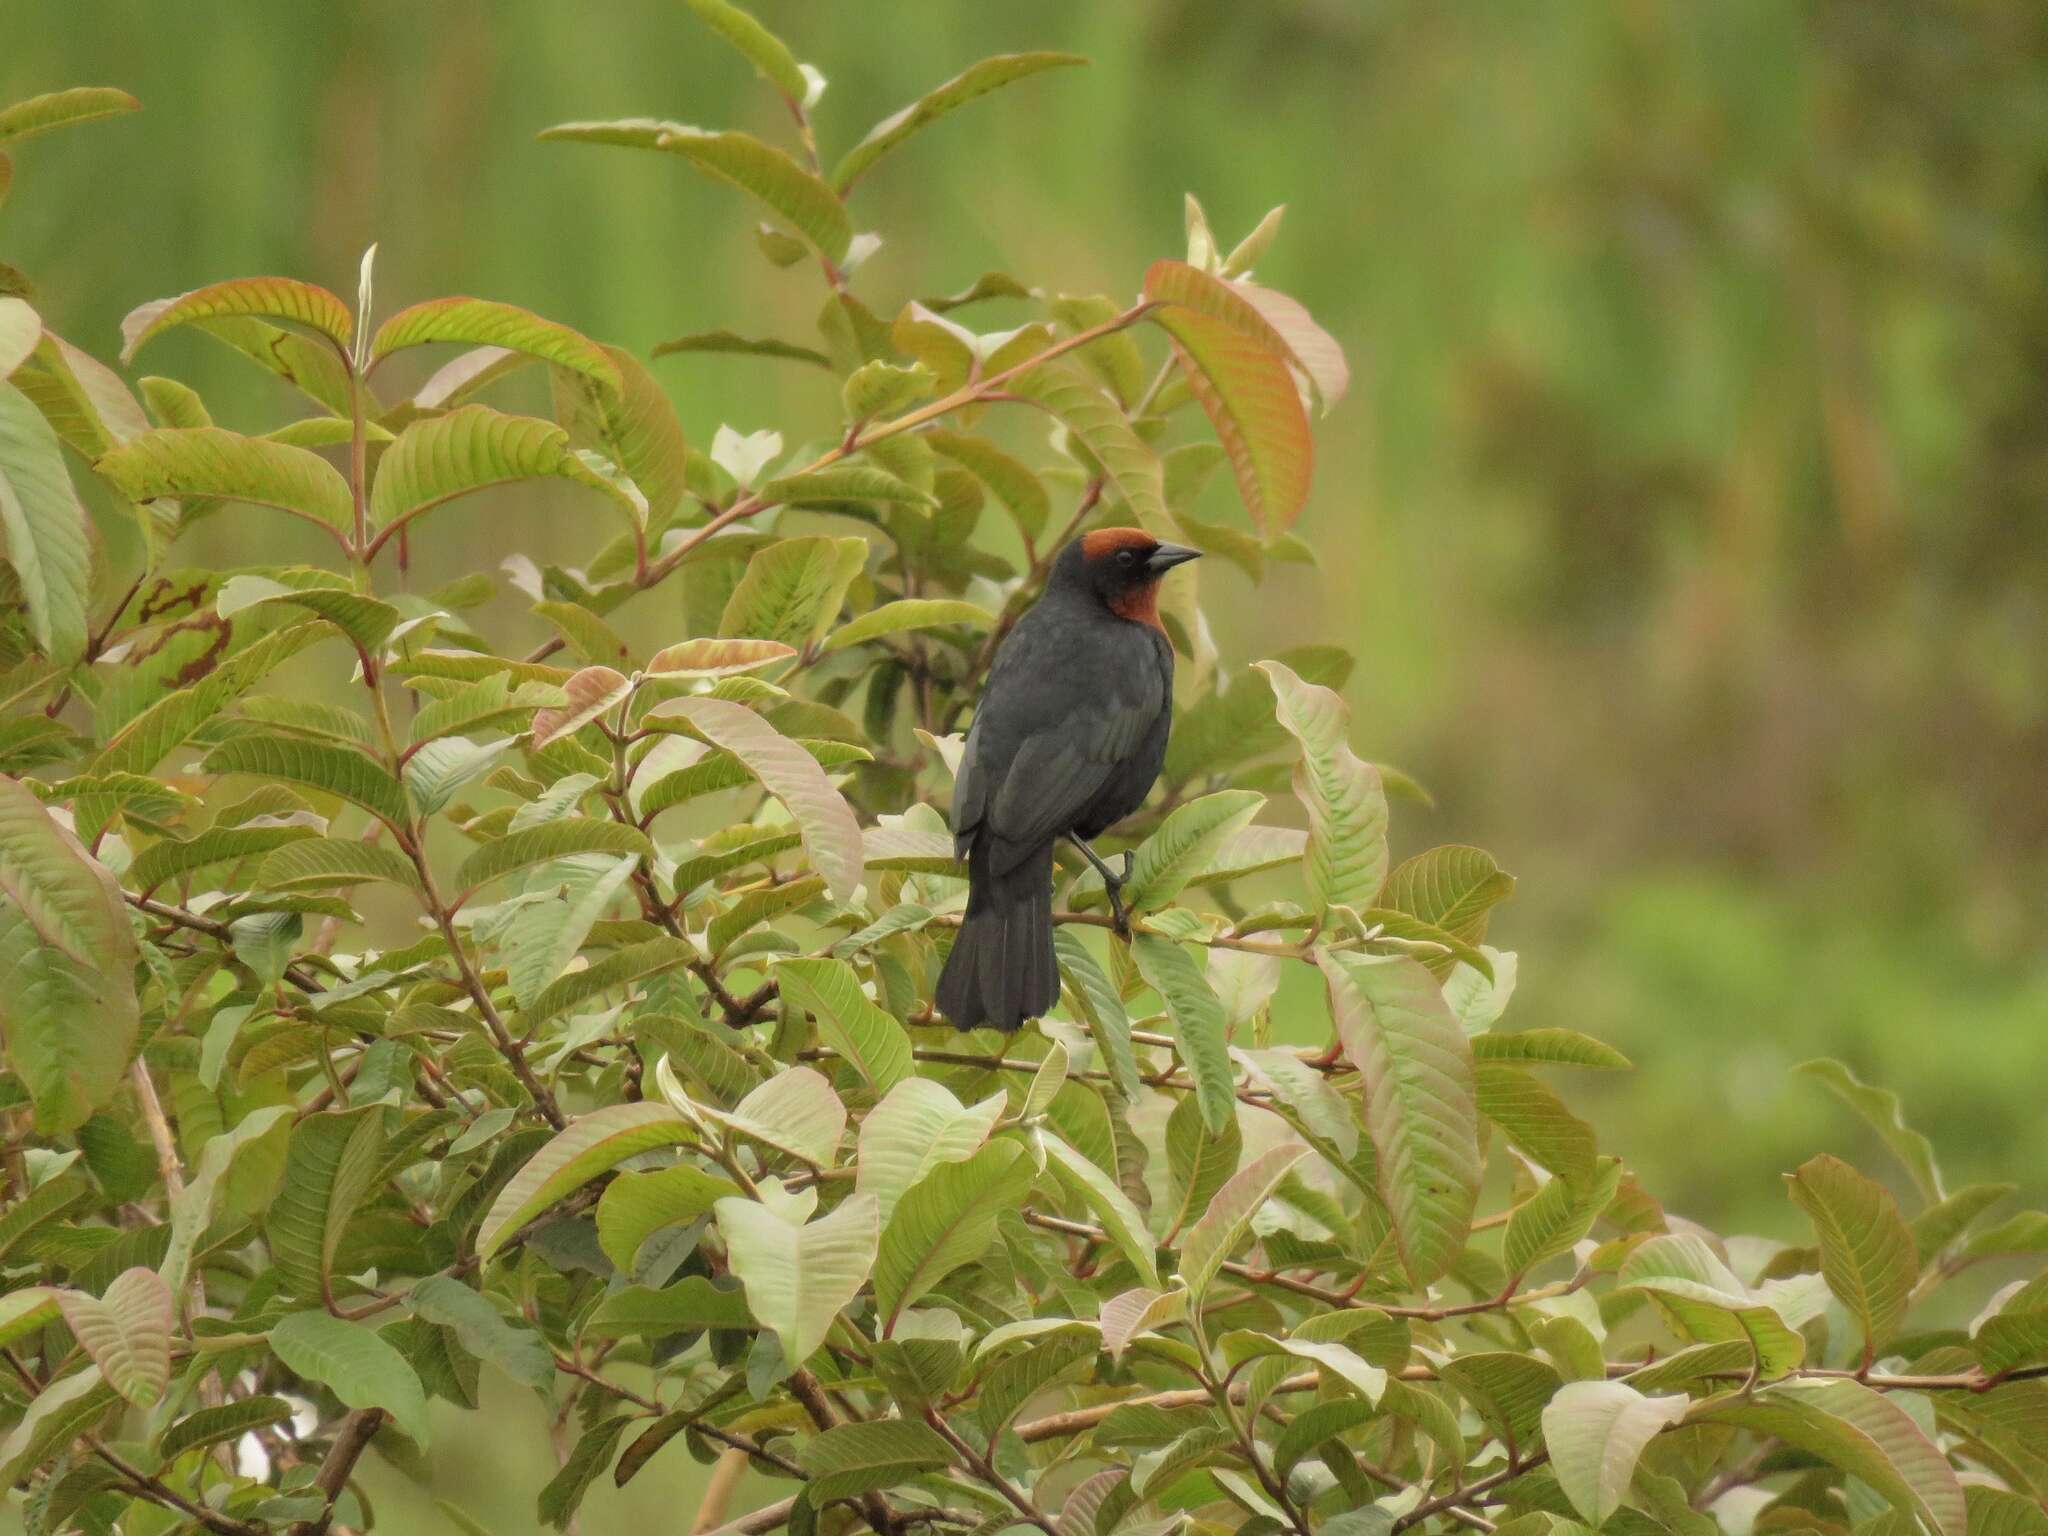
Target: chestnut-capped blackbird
(1069,736)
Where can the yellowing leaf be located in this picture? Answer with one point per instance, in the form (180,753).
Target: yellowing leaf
(486,323)
(268,298)
(209,461)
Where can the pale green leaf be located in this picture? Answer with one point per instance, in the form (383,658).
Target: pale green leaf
(354,1363)
(848,1021)
(917,1126)
(47,541)
(265,298)
(907,614)
(62,109)
(1595,1432)
(127,1332)
(213,462)
(1228,1218)
(945,1220)
(472,449)
(1347,808)
(798,1277)
(976,80)
(1109,1205)
(852,1459)
(1866,1251)
(588,1146)
(1200,1030)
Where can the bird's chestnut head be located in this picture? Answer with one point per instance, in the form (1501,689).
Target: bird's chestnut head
(1121,567)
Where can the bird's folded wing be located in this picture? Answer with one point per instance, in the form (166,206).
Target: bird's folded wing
(1057,773)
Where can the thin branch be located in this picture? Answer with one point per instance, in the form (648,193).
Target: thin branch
(350,1441)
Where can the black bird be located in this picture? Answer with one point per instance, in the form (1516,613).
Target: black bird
(1070,734)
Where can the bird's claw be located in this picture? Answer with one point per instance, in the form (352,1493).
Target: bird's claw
(1119,917)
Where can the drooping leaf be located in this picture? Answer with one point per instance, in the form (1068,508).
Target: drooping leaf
(486,323)
(1421,1107)
(1110,1206)
(1347,808)
(355,1363)
(756,44)
(1314,350)
(793,589)
(717,658)
(864,1035)
(67,959)
(213,462)
(63,109)
(831,836)
(1706,1301)
(1866,1251)
(474,448)
(1595,1432)
(853,1459)
(483,1330)
(1102,429)
(365,620)
(945,1220)
(798,1277)
(636,429)
(327,1177)
(1101,1007)
(1550,1047)
(637,1205)
(45,528)
(976,80)
(1882,1112)
(1185,844)
(728,341)
(21,331)
(62,1412)
(590,1145)
(1237,366)
(1009,480)
(642,1311)
(265,298)
(907,614)
(330,769)
(1200,1030)
(795,1111)
(228,1421)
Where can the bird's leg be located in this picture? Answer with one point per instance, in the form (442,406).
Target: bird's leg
(1111,883)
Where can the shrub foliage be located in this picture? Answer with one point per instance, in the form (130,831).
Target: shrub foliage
(387,1008)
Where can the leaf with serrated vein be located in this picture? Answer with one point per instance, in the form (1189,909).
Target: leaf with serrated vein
(67,960)
(45,527)
(1009,480)
(1185,844)
(1558,1215)
(1229,1215)
(717,658)
(589,1145)
(917,1125)
(976,80)
(1237,367)
(365,620)
(486,323)
(336,770)
(1126,1316)
(1866,1251)
(266,298)
(907,614)
(60,1414)
(852,1459)
(211,461)
(472,449)
(228,1421)
(1200,1030)
(797,1278)
(831,836)
(945,1220)
(1863,1433)
(863,1034)
(1453,887)
(1347,807)
(355,1363)
(1421,1106)
(1550,1047)
(326,1178)
(637,1205)
(548,841)
(127,1332)
(330,863)
(845,485)
(793,589)
(1595,1432)
(795,1111)
(1102,428)
(1122,1220)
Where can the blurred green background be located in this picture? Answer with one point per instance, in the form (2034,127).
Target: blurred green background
(1687,512)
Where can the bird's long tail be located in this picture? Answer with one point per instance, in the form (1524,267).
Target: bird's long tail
(1002,969)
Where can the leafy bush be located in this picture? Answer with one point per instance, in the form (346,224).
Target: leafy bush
(382,1006)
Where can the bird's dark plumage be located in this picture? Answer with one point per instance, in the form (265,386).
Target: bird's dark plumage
(1069,736)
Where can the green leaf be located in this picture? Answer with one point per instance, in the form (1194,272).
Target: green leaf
(1536,1121)
(864,1035)
(1707,1302)
(1558,1215)
(846,485)
(334,770)
(62,109)
(546,842)
(620,968)
(589,1145)
(1101,1007)
(1862,1433)
(795,1111)
(1009,480)
(1229,1215)
(906,614)
(21,331)
(332,863)
(212,462)
(757,45)
(485,323)
(327,1177)
(216,1426)
(1452,888)
(1200,1030)
(637,1205)
(1102,428)
(127,1332)
(1198,1161)
(793,589)
(882,389)
(852,1459)
(559,1500)
(1550,1047)
(1347,808)
(1866,1251)
(266,298)
(798,1277)
(33,1307)
(1595,1432)
(144,741)
(1186,844)
(483,1330)
(1421,1106)
(640,1311)
(945,1220)
(728,341)
(67,963)
(917,1126)
(637,429)
(364,620)
(1110,1205)
(977,80)
(354,1363)
(1237,366)
(62,1412)
(1882,1112)
(472,449)
(47,540)
(831,836)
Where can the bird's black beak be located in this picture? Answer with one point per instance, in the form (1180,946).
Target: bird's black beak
(1167,556)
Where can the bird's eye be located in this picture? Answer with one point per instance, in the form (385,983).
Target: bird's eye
(1127,558)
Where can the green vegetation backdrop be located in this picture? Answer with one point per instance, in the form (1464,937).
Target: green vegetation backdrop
(1689,495)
